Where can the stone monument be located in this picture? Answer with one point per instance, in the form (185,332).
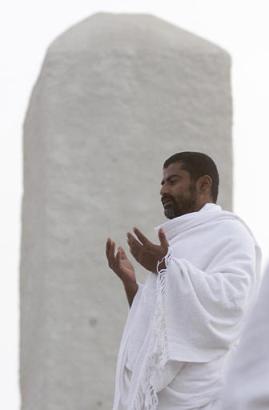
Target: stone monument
(117,94)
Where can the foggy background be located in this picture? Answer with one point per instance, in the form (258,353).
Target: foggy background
(27,28)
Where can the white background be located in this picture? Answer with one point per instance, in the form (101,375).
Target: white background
(26,29)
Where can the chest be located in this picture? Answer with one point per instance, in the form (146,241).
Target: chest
(198,246)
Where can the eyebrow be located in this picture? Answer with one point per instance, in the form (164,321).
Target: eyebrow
(170,177)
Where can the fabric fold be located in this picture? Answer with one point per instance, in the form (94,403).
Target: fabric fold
(189,315)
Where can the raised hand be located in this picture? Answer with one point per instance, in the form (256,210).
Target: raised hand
(119,263)
(145,252)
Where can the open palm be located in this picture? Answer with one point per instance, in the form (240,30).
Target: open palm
(120,263)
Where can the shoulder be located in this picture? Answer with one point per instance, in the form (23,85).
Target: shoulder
(232,241)
(232,227)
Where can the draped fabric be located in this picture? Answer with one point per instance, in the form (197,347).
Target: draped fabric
(247,379)
(187,317)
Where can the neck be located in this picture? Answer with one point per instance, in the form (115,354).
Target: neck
(202,203)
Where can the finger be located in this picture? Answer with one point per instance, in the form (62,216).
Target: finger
(162,238)
(133,242)
(134,245)
(122,252)
(108,244)
(112,249)
(118,256)
(143,239)
(111,253)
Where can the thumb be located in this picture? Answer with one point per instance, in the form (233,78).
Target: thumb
(162,238)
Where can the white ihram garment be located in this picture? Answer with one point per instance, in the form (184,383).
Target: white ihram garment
(247,378)
(185,320)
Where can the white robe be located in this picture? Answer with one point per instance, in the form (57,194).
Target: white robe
(247,378)
(185,320)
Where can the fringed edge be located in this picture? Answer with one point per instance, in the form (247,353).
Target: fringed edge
(147,398)
(161,334)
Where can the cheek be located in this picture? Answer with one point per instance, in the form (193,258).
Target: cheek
(180,192)
(178,189)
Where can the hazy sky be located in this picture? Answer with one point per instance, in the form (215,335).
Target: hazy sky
(26,29)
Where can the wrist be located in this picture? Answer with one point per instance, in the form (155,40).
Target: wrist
(130,285)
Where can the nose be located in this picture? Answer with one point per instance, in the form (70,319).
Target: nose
(163,190)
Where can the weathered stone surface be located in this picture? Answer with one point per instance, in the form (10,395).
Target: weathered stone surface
(117,95)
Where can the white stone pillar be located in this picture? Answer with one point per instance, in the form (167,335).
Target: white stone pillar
(117,95)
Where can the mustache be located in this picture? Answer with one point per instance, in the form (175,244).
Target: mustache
(166,198)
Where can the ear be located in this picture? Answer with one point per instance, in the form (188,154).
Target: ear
(204,184)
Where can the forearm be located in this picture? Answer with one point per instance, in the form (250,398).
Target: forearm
(130,290)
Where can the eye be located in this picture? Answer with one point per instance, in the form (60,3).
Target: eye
(173,181)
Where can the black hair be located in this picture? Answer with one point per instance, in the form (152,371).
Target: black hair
(197,164)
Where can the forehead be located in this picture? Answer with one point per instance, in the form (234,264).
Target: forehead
(176,168)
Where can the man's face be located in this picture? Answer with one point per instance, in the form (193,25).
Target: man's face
(178,191)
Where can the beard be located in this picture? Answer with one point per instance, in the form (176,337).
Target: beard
(181,204)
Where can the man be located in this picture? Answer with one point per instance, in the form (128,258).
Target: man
(187,316)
